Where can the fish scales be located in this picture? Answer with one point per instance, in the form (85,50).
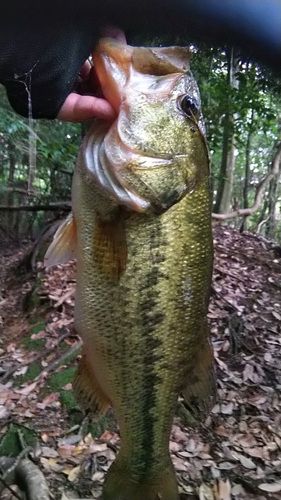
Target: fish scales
(139,324)
(144,265)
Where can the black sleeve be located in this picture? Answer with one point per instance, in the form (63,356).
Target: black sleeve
(44,43)
(41,53)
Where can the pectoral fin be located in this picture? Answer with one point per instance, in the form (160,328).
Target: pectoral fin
(87,390)
(63,246)
(110,247)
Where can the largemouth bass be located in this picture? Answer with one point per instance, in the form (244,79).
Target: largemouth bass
(142,230)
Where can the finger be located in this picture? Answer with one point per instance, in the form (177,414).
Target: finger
(114,32)
(77,108)
(85,70)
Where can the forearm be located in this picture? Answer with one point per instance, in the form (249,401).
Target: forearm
(44,44)
(41,54)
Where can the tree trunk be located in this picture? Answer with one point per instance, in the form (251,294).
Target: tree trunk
(11,177)
(1,159)
(224,191)
(272,200)
(243,226)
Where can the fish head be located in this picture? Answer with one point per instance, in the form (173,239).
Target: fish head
(155,152)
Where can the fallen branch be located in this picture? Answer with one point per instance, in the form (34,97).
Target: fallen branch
(242,212)
(262,223)
(19,190)
(65,206)
(64,298)
(59,360)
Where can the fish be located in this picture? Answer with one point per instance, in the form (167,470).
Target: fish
(141,232)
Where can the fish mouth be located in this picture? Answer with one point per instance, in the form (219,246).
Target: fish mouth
(113,62)
(111,156)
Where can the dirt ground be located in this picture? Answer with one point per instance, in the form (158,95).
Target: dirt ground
(234,454)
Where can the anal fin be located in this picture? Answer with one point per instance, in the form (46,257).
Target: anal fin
(63,246)
(87,390)
(199,393)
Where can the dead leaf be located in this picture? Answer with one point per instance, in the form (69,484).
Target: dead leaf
(39,335)
(74,474)
(21,371)
(44,437)
(11,347)
(51,398)
(66,450)
(276,315)
(97,476)
(27,389)
(173,446)
(67,387)
(226,466)
(179,464)
(246,462)
(270,487)
(48,452)
(256,452)
(3,412)
(205,492)
(227,409)
(223,431)
(223,490)
(97,447)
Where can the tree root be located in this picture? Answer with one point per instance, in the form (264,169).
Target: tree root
(25,474)
(31,480)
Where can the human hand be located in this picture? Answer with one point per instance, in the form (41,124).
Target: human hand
(87,102)
(80,105)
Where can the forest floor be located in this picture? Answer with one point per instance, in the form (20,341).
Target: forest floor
(234,454)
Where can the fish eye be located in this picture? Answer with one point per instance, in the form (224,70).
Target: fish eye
(189,106)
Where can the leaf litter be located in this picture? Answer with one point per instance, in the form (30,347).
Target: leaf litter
(234,454)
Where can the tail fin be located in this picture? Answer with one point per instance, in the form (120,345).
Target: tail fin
(120,486)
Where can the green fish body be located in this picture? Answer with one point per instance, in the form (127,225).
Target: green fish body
(142,219)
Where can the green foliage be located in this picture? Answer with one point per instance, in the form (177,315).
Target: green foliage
(105,423)
(256,107)
(32,372)
(56,146)
(30,344)
(58,381)
(11,442)
(255,104)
